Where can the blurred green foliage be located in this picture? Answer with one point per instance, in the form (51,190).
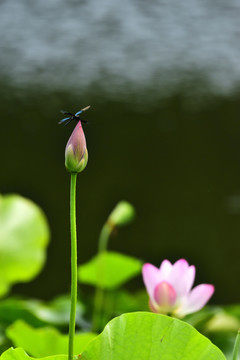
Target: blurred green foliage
(109,270)
(45,341)
(23,321)
(130,336)
(24,236)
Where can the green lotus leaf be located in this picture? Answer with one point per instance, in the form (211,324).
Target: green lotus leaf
(138,336)
(148,336)
(109,270)
(44,341)
(20,354)
(24,235)
(39,313)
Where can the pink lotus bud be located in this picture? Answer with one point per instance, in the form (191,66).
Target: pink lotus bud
(76,154)
(170,288)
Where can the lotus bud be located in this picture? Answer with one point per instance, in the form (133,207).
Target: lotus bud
(122,214)
(76,154)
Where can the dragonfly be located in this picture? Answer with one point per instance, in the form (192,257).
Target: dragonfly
(72,117)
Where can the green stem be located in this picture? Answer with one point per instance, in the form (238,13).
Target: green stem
(236,346)
(99,294)
(73,265)
(104,237)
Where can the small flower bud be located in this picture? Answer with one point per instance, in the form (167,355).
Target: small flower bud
(122,214)
(76,154)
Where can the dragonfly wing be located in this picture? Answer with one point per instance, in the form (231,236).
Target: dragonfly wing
(78,113)
(64,120)
(65,112)
(68,121)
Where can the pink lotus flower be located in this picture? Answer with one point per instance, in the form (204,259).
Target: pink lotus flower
(76,154)
(169,288)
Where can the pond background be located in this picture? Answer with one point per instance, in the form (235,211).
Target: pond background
(162,79)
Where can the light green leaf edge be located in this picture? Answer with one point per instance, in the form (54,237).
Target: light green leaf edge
(44,341)
(109,270)
(39,313)
(141,336)
(20,354)
(148,336)
(24,235)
